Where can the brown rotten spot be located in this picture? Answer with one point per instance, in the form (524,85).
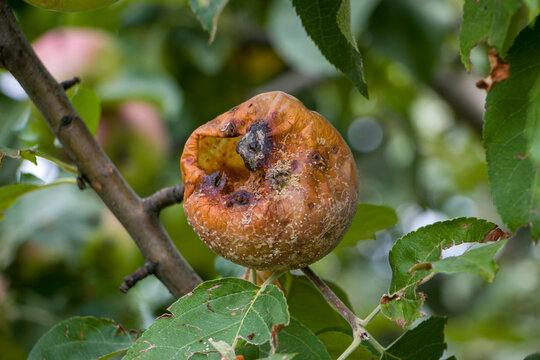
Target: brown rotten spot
(270,184)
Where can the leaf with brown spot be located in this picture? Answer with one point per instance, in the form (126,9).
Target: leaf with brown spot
(417,256)
(512,136)
(207,314)
(82,338)
(208,11)
(500,71)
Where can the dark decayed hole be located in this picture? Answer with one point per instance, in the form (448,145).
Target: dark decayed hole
(317,160)
(240,197)
(255,146)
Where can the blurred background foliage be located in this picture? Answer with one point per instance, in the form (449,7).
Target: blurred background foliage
(416,140)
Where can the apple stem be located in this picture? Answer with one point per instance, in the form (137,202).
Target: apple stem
(254,276)
(272,278)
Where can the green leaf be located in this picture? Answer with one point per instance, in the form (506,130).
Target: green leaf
(289,39)
(223,310)
(327,22)
(10,193)
(533,9)
(87,104)
(226,268)
(418,48)
(305,300)
(336,342)
(533,357)
(476,261)
(294,339)
(26,154)
(81,338)
(280,357)
(226,351)
(402,309)
(486,19)
(417,256)
(533,121)
(298,339)
(158,89)
(426,342)
(513,172)
(368,220)
(207,12)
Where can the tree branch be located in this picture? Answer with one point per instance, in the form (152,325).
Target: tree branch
(67,84)
(142,272)
(92,162)
(336,302)
(164,198)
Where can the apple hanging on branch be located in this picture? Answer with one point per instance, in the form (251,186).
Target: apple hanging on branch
(270,185)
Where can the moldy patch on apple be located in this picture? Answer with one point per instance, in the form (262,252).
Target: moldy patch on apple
(270,185)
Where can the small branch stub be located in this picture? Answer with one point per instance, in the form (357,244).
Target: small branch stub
(130,280)
(68,84)
(164,198)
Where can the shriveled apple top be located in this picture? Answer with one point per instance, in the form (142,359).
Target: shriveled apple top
(270,184)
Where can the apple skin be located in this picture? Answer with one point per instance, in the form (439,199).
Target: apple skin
(71,5)
(70,51)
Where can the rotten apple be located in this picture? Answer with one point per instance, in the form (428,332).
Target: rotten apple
(269,185)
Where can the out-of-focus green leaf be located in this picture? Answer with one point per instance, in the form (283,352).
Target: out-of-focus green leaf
(207,12)
(476,261)
(224,310)
(485,19)
(426,342)
(327,22)
(412,258)
(82,338)
(290,41)
(419,47)
(336,342)
(368,220)
(533,357)
(305,300)
(58,220)
(158,89)
(533,9)
(29,179)
(10,193)
(15,116)
(226,268)
(87,104)
(513,171)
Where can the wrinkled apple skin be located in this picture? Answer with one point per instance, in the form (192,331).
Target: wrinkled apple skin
(270,185)
(71,5)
